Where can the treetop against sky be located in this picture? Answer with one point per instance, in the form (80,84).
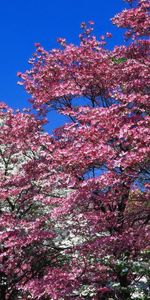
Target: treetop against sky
(24,23)
(74,205)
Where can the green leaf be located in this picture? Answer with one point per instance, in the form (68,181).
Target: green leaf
(118,61)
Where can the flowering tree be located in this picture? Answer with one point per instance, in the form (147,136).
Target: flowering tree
(29,186)
(89,181)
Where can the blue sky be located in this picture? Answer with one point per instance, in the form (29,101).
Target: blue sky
(24,22)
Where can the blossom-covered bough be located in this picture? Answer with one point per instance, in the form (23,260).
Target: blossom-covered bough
(76,204)
(29,178)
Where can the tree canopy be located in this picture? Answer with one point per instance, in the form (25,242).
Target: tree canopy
(74,205)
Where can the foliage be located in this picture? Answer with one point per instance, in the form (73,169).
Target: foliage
(74,206)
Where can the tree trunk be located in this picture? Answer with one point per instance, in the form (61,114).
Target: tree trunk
(124,292)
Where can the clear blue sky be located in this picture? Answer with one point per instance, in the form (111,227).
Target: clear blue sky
(24,22)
